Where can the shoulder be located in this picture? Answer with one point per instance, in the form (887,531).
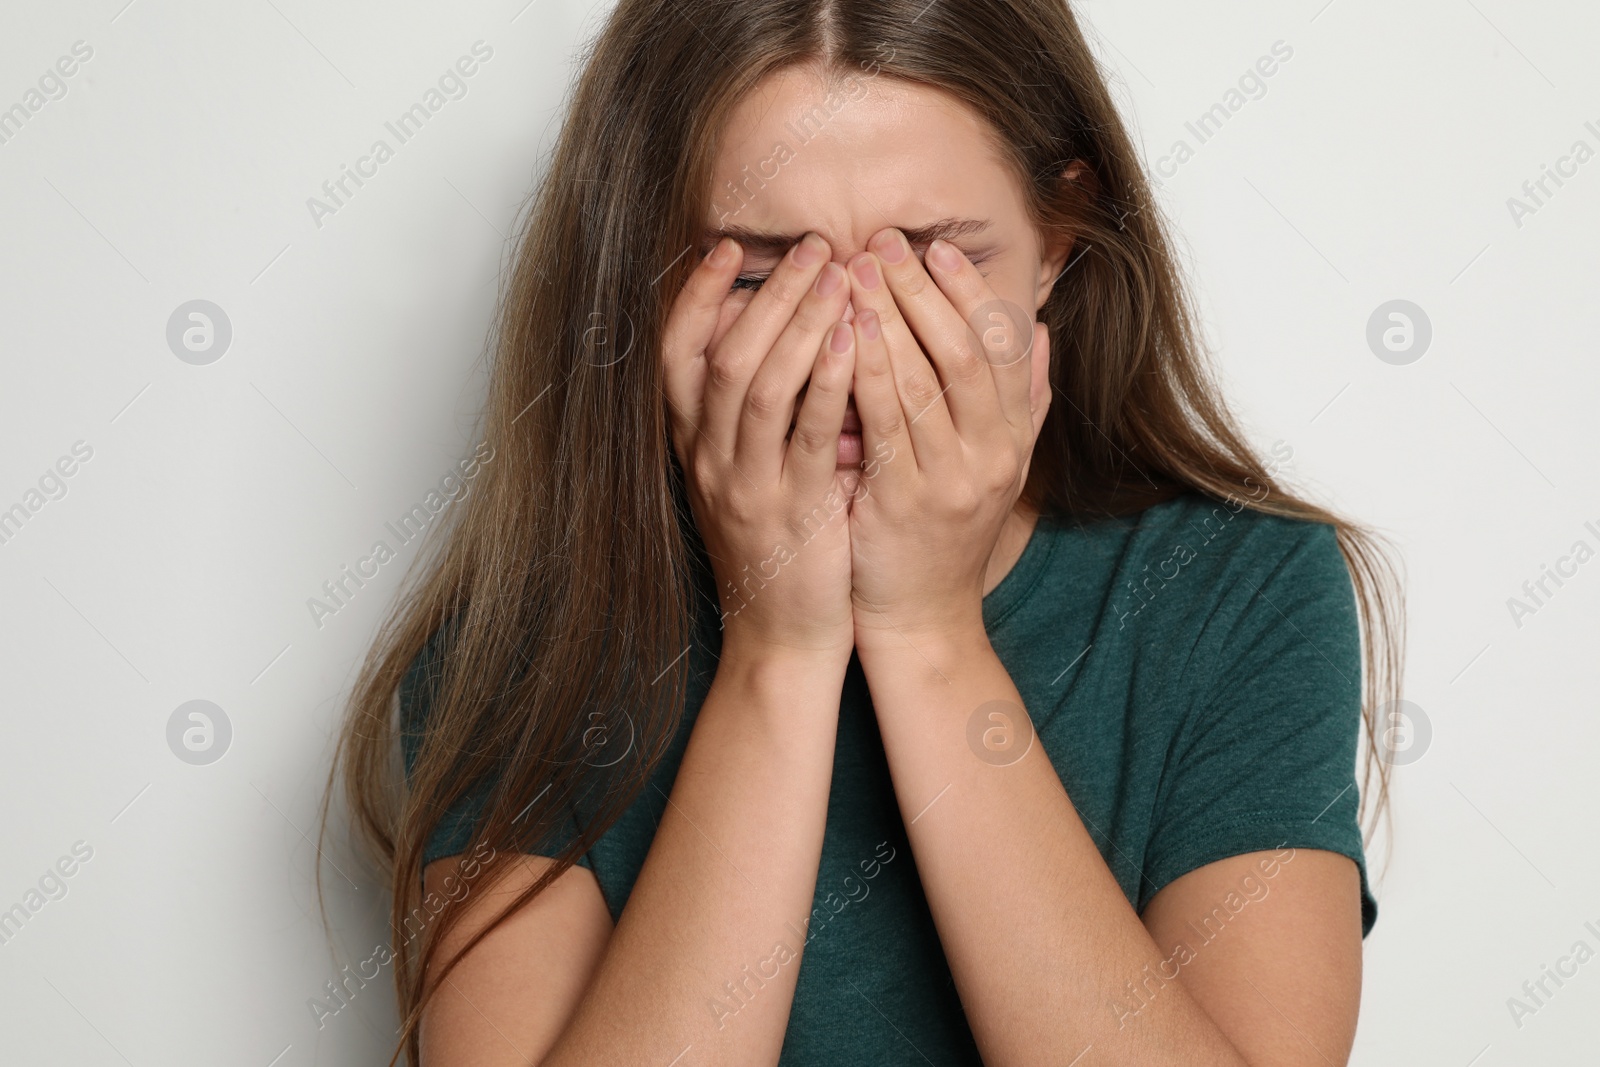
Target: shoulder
(1210,561)
(1254,648)
(1206,589)
(1232,534)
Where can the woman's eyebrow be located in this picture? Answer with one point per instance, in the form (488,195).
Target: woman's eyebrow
(757,242)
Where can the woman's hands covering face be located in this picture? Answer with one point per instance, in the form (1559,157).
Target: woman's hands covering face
(952,385)
(770,504)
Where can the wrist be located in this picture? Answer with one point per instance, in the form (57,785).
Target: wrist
(788,697)
(762,667)
(753,644)
(941,646)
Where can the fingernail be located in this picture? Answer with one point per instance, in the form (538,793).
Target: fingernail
(945,255)
(869,324)
(840,341)
(867,273)
(891,245)
(808,251)
(831,278)
(721,254)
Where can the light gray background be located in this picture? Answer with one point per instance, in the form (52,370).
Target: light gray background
(1377,165)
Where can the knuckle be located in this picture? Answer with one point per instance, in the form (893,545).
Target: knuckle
(763,400)
(886,427)
(914,282)
(889,317)
(964,499)
(1002,471)
(722,372)
(968,360)
(702,468)
(966,366)
(815,313)
(788,284)
(876,371)
(921,388)
(810,439)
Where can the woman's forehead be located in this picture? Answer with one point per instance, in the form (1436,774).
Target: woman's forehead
(871,153)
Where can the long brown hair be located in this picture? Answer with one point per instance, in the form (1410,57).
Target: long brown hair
(567,579)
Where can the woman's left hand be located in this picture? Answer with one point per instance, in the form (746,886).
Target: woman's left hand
(948,428)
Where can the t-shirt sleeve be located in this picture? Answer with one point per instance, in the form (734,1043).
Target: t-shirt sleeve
(1267,758)
(452,836)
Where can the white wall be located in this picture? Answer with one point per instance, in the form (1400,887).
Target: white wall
(1375,166)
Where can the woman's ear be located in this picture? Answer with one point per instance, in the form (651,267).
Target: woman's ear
(1055,252)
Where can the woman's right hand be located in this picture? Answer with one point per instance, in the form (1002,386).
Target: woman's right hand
(771,505)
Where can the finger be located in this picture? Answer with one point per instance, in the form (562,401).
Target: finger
(769,402)
(885,431)
(690,324)
(814,446)
(947,310)
(928,431)
(1001,331)
(739,354)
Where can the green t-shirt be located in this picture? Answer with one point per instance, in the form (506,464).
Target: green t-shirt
(1192,671)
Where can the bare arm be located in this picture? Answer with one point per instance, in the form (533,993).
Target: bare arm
(1041,941)
(1048,955)
(733,864)
(734,861)
(506,1002)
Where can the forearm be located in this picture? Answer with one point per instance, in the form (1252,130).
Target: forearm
(732,865)
(1039,935)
